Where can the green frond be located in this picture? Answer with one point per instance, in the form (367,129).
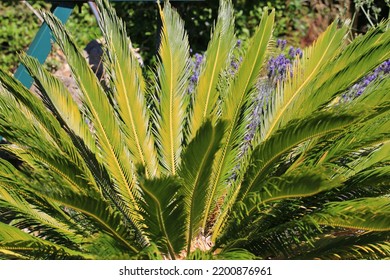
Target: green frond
(59,101)
(162,209)
(349,246)
(217,54)
(297,87)
(171,97)
(112,153)
(235,254)
(362,146)
(36,143)
(19,213)
(267,154)
(103,247)
(279,241)
(67,173)
(227,254)
(372,177)
(360,57)
(128,87)
(200,255)
(96,209)
(63,106)
(375,95)
(15,244)
(235,103)
(34,109)
(150,252)
(99,211)
(300,183)
(195,171)
(371,214)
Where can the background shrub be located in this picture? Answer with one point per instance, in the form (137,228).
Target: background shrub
(300,22)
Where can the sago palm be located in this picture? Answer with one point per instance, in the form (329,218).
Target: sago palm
(240,168)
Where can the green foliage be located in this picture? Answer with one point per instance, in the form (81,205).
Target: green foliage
(19,25)
(17,29)
(131,169)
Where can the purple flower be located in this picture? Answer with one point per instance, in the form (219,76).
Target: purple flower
(281,44)
(358,89)
(299,52)
(195,65)
(198,59)
(291,52)
(277,68)
(234,64)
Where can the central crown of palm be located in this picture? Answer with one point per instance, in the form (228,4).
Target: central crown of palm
(142,169)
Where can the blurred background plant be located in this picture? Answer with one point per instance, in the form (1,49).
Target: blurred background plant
(297,21)
(19,24)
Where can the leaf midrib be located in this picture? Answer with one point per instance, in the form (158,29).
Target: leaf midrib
(284,108)
(196,186)
(230,132)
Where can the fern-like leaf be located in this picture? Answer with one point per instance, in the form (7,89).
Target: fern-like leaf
(196,170)
(171,98)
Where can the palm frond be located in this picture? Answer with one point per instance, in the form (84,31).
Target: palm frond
(349,245)
(16,244)
(59,101)
(96,209)
(357,60)
(99,211)
(171,97)
(371,214)
(300,183)
(305,71)
(113,154)
(363,146)
(235,105)
(37,143)
(163,211)
(221,43)
(34,109)
(235,254)
(18,212)
(128,88)
(269,152)
(195,171)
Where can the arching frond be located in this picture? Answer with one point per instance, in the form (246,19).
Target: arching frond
(371,245)
(269,152)
(171,97)
(195,171)
(360,57)
(128,87)
(371,214)
(34,109)
(112,153)
(59,101)
(163,211)
(305,71)
(235,104)
(217,54)
(16,244)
